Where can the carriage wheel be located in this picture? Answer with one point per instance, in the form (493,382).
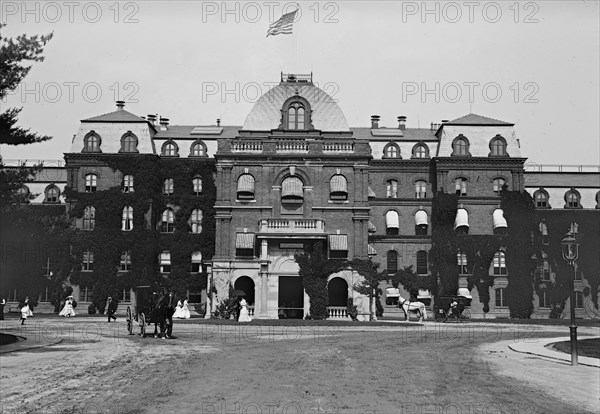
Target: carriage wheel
(129,321)
(440,315)
(466,314)
(142,322)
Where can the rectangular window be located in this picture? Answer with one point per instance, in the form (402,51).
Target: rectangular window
(545,270)
(579,300)
(499,264)
(165,262)
(501,298)
(126,262)
(126,295)
(461,260)
(544,299)
(87,264)
(85,294)
(578,274)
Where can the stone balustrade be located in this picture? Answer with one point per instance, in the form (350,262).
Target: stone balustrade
(337,312)
(278,225)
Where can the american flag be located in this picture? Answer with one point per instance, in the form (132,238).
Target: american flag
(283,25)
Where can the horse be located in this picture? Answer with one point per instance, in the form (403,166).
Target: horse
(164,315)
(412,307)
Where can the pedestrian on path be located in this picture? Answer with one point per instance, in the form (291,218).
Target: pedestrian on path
(2,303)
(111,308)
(24,307)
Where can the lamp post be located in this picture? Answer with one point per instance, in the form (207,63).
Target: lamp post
(570,251)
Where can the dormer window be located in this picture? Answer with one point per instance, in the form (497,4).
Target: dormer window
(460,146)
(391,150)
(296,114)
(170,149)
(498,147)
(420,151)
(91,142)
(129,142)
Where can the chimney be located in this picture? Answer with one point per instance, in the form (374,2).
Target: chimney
(402,122)
(163,123)
(375,121)
(218,121)
(120,105)
(152,119)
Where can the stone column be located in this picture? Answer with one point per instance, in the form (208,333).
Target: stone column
(264,280)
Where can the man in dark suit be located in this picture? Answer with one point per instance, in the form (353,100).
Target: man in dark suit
(111,308)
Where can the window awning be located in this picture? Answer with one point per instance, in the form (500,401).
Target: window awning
(392,220)
(424,294)
(499,220)
(292,186)
(371,250)
(244,241)
(372,228)
(462,218)
(338,184)
(421,217)
(338,242)
(196,257)
(246,184)
(165,258)
(371,193)
(392,292)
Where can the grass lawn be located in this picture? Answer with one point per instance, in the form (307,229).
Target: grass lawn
(585,347)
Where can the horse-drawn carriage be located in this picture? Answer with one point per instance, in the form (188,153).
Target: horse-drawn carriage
(453,307)
(151,306)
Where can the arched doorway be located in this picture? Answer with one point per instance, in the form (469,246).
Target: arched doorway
(337,289)
(247,285)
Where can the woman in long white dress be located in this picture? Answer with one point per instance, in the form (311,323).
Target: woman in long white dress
(244,316)
(178,310)
(67,310)
(186,309)
(25,310)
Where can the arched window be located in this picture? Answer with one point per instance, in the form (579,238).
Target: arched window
(461,261)
(196,221)
(23,194)
(338,186)
(499,263)
(164,260)
(392,262)
(420,150)
(198,149)
(168,221)
(245,187)
(461,186)
(125,261)
(292,190)
(197,185)
(461,223)
(91,142)
(421,262)
(128,183)
(421,223)
(498,147)
(541,198)
(170,149)
(89,218)
(460,146)
(90,183)
(127,219)
(168,187)
(573,199)
(392,223)
(420,189)
(391,150)
(296,114)
(498,184)
(392,188)
(51,194)
(129,142)
(500,225)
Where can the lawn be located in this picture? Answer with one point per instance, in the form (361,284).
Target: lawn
(585,347)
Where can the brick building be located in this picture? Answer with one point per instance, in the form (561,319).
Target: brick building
(295,173)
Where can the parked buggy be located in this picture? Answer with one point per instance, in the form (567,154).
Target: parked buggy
(452,308)
(150,306)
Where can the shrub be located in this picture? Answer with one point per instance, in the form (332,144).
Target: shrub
(352,310)
(92,309)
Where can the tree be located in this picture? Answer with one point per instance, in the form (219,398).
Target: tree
(371,278)
(14,57)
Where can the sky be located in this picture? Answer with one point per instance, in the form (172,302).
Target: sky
(535,64)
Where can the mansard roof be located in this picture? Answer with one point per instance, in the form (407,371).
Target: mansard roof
(326,115)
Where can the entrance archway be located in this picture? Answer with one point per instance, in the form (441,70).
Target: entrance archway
(337,290)
(291,298)
(247,285)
